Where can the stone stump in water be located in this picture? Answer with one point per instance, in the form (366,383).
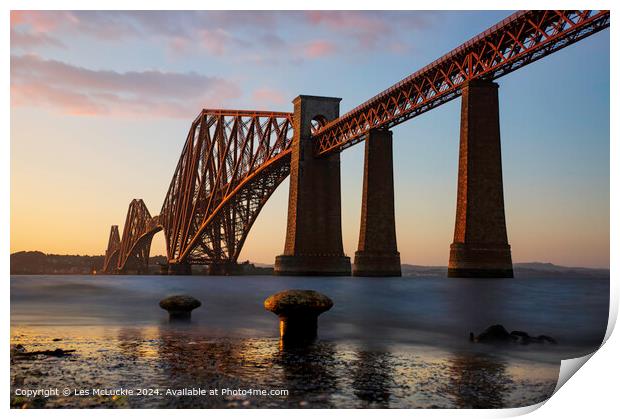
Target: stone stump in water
(298,311)
(180,307)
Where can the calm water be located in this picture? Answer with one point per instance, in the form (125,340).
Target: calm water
(399,342)
(401,310)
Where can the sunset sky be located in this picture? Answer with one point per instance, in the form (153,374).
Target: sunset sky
(101,103)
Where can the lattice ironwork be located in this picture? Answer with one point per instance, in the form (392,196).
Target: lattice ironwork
(513,43)
(111,254)
(231,163)
(138,233)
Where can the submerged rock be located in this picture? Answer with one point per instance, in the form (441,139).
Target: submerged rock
(180,307)
(541,339)
(498,334)
(546,338)
(495,333)
(519,336)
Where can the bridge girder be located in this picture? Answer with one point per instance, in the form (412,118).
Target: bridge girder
(231,163)
(515,42)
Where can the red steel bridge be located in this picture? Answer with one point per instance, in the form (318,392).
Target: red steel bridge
(233,160)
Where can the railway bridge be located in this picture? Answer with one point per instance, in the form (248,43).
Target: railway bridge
(233,160)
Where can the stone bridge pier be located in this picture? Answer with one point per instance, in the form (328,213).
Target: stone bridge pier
(314,233)
(376,253)
(313,243)
(480,247)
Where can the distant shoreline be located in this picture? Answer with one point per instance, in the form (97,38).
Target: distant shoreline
(39,263)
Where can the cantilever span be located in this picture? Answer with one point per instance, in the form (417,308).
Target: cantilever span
(233,160)
(138,232)
(231,164)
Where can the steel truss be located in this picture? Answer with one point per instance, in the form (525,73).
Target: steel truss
(513,43)
(231,164)
(138,233)
(110,260)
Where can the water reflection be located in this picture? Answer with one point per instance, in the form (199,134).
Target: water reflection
(187,361)
(314,373)
(372,378)
(324,374)
(309,372)
(477,382)
(130,341)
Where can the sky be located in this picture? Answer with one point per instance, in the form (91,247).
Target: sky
(101,103)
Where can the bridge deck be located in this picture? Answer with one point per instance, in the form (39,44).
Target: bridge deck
(515,42)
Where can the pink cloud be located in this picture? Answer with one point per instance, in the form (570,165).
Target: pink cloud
(41,95)
(315,49)
(17,17)
(39,21)
(370,29)
(219,41)
(266,95)
(365,27)
(347,19)
(29,39)
(178,45)
(76,90)
(104,25)
(399,47)
(236,34)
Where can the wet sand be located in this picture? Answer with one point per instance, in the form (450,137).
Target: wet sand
(325,375)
